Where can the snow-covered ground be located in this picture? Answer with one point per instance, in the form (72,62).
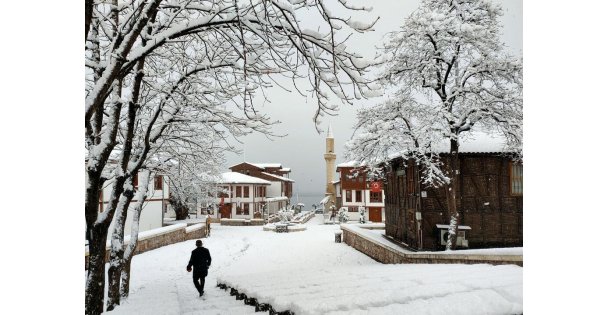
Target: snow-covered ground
(306,272)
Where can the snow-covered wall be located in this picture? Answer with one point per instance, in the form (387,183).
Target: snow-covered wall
(381,249)
(153,239)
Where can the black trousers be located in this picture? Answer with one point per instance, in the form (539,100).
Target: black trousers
(199,275)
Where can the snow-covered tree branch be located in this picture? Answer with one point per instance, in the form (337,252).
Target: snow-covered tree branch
(159,73)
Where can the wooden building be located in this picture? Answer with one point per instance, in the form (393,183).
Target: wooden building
(355,190)
(241,196)
(281,185)
(489,193)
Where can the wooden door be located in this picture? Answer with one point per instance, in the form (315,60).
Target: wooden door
(226,211)
(375,214)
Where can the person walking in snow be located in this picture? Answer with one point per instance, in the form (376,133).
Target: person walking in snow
(200,260)
(208,223)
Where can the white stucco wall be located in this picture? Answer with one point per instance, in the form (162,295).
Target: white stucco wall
(151,216)
(274,190)
(364,202)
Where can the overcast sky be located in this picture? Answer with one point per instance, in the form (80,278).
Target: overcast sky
(303,148)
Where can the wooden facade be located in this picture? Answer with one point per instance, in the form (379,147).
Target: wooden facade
(356,191)
(489,200)
(256,171)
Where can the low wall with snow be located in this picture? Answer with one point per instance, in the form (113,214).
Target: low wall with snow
(241,222)
(153,239)
(381,249)
(303,217)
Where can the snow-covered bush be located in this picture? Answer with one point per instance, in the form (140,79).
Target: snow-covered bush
(361,214)
(343,215)
(285,215)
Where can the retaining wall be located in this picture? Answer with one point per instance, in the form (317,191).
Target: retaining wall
(160,237)
(388,255)
(241,222)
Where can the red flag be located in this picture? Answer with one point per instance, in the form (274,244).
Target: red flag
(375,186)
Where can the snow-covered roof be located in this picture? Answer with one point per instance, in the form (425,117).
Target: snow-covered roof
(285,169)
(285,179)
(260,165)
(472,142)
(268,165)
(351,164)
(478,142)
(238,178)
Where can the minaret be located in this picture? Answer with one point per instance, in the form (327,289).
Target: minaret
(330,162)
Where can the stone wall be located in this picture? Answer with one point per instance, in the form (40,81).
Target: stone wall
(387,255)
(150,240)
(242,222)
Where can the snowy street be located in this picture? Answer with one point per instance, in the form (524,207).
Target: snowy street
(307,273)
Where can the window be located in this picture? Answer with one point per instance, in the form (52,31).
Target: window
(375,196)
(517,179)
(158,182)
(246,191)
(353,209)
(349,196)
(357,196)
(243,209)
(135,180)
(224,192)
(238,191)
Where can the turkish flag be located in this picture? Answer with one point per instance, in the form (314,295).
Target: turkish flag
(375,186)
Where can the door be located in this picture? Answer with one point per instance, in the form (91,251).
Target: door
(226,211)
(375,214)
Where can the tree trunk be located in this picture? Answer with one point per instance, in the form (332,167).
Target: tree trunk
(88,16)
(117,249)
(114,272)
(96,236)
(95,283)
(181,210)
(453,171)
(125,275)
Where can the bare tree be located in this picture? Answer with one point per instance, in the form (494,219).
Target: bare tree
(449,73)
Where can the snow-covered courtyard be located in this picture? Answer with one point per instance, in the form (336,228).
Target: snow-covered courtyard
(308,273)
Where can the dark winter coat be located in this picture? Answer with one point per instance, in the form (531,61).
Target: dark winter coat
(200,259)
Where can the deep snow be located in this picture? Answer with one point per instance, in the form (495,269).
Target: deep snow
(308,273)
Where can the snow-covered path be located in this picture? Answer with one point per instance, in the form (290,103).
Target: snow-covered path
(308,273)
(160,283)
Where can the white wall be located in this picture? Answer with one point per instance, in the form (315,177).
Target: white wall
(151,216)
(365,201)
(274,190)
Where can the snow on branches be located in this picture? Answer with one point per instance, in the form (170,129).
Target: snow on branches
(450,77)
(162,78)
